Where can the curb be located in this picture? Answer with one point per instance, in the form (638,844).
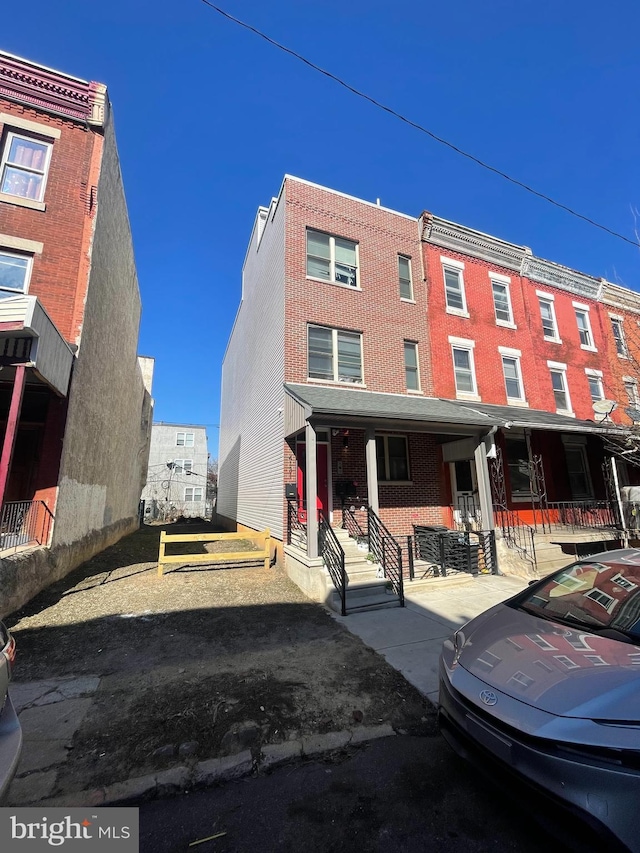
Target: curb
(216,770)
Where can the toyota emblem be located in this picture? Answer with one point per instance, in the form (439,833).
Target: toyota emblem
(488,697)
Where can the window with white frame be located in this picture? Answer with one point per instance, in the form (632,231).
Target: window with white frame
(412,374)
(334,355)
(404,276)
(559,384)
(618,336)
(15,270)
(595,384)
(24,166)
(502,299)
(602,598)
(463,367)
(193,493)
(548,316)
(182,466)
(512,374)
(392,455)
(184,439)
(452,272)
(332,258)
(631,390)
(584,326)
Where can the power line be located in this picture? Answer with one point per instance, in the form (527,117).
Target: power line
(419,127)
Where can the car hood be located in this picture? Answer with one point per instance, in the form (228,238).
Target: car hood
(561,670)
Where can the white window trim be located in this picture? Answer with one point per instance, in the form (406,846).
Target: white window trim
(406,298)
(516,355)
(559,367)
(414,344)
(332,259)
(193,490)
(580,306)
(620,321)
(595,374)
(549,297)
(465,344)
(185,434)
(334,357)
(31,126)
(499,278)
(456,266)
(631,380)
(590,371)
(27,277)
(37,203)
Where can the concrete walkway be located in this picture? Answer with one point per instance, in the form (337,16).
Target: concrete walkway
(411,638)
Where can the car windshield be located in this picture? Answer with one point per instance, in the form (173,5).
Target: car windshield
(592,595)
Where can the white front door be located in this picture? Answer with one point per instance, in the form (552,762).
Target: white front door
(464,491)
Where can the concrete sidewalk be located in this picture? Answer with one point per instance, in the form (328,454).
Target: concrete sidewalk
(411,638)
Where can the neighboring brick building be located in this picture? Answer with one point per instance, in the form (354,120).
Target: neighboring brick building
(177,472)
(350,320)
(75,397)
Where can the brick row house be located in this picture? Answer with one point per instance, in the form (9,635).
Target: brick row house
(74,396)
(417,371)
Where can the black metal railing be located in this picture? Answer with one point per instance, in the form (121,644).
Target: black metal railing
(353,516)
(445,551)
(465,514)
(387,553)
(296,529)
(516,533)
(332,555)
(24,523)
(581,515)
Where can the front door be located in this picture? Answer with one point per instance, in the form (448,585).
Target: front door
(464,492)
(322,470)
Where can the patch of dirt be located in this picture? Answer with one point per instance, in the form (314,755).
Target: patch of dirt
(208,658)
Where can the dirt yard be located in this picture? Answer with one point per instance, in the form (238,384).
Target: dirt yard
(203,662)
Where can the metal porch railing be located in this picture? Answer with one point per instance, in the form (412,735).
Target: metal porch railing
(25,523)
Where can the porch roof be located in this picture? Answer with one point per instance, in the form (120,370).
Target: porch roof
(507,416)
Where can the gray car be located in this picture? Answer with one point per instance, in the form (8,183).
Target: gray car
(10,731)
(547,686)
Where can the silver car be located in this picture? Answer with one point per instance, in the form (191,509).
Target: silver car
(547,685)
(10,731)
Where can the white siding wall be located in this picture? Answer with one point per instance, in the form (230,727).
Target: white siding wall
(251,422)
(164,484)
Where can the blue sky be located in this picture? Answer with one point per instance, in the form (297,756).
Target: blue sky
(209,118)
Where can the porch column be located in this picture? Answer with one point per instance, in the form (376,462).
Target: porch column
(616,485)
(484,481)
(12,428)
(312,491)
(372,469)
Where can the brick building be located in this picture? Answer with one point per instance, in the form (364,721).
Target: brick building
(410,365)
(74,396)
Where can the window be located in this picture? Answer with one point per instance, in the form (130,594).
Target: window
(618,336)
(566,661)
(584,326)
(542,643)
(24,166)
(184,439)
(182,466)
(14,273)
(463,367)
(631,389)
(521,679)
(332,258)
(623,582)
(454,286)
(192,493)
(404,273)
(411,366)
(595,384)
(559,385)
(512,374)
(502,300)
(548,317)
(577,469)
(517,453)
(596,660)
(393,458)
(334,355)
(601,598)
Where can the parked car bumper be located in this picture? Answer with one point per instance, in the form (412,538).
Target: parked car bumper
(10,746)
(601,795)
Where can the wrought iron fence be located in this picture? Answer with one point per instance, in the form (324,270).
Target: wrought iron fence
(516,533)
(333,558)
(25,523)
(470,551)
(296,529)
(580,515)
(353,516)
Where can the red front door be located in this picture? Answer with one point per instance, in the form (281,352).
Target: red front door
(323,479)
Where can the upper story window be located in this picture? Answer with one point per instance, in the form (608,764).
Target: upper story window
(631,389)
(584,326)
(192,493)
(452,272)
(15,271)
(463,367)
(618,336)
(24,166)
(548,317)
(392,458)
(595,384)
(502,300)
(182,466)
(334,355)
(411,371)
(184,439)
(332,258)
(512,374)
(559,384)
(404,275)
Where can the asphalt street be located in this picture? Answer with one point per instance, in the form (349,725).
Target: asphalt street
(401,793)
